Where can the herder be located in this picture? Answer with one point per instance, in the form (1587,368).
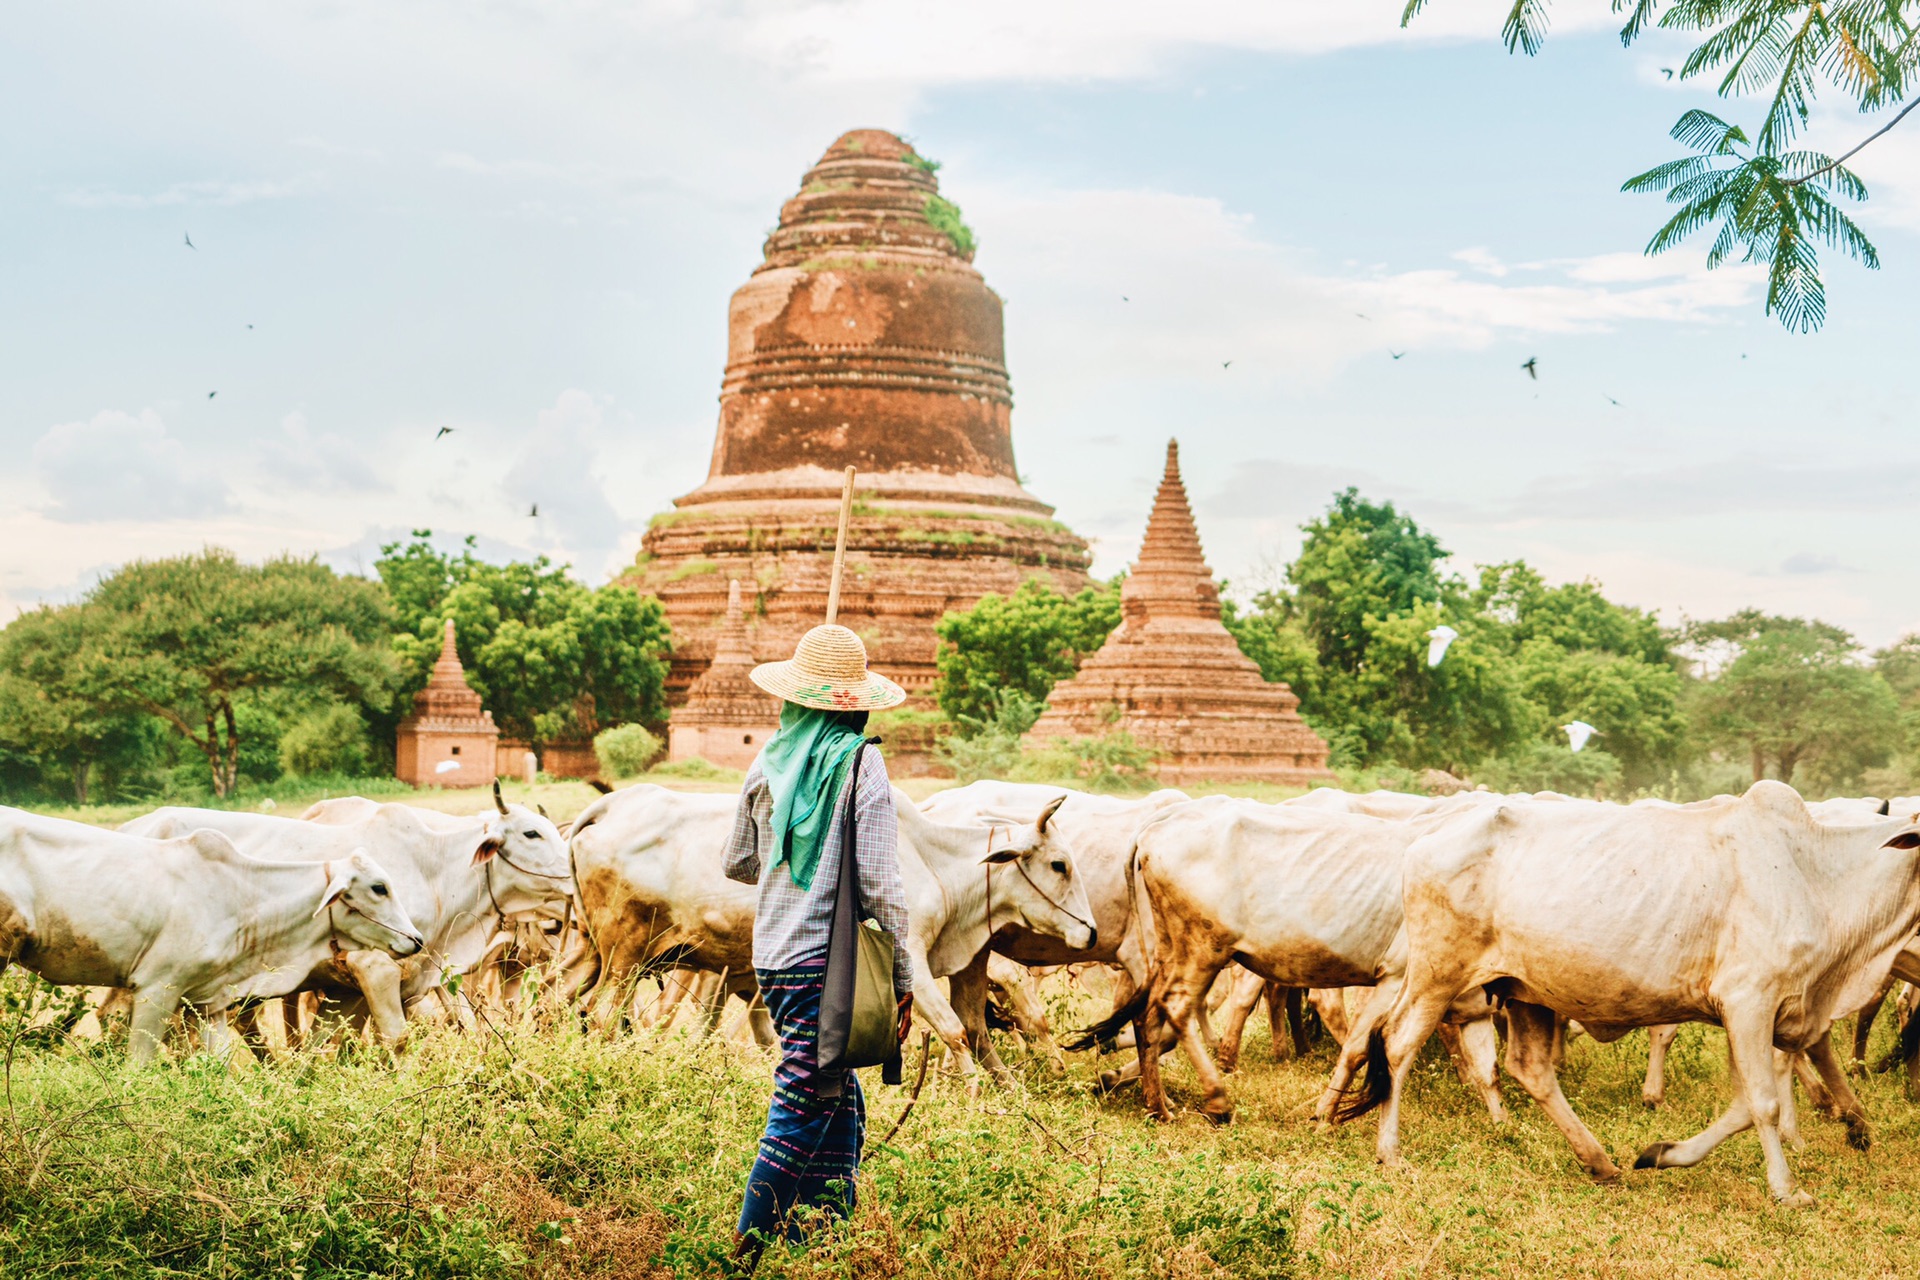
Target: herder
(789,838)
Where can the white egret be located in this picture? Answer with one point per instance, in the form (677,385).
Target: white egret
(1578,732)
(1437,641)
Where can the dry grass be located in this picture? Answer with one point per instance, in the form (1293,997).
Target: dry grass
(532,1151)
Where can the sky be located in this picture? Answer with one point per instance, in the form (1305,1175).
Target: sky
(1217,221)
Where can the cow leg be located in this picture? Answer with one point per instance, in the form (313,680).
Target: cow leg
(378,978)
(1331,1004)
(1024,1005)
(1296,1001)
(1817,1092)
(930,1004)
(1863,1022)
(1789,1121)
(1414,1017)
(1244,988)
(217,1036)
(1845,1103)
(1530,1035)
(1479,1064)
(967,996)
(1353,1046)
(1659,1039)
(147,1026)
(1749,1042)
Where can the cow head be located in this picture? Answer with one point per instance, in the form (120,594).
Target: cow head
(1041,888)
(362,910)
(531,871)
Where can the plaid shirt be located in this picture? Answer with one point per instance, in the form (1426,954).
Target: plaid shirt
(793,926)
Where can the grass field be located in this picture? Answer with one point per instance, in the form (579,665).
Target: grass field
(533,1151)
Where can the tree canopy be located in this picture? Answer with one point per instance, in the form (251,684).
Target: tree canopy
(552,658)
(1765,201)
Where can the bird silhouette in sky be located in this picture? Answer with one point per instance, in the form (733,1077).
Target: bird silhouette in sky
(1125,298)
(1395,354)
(212,394)
(1615,403)
(534,514)
(1225,363)
(1532,366)
(1363,316)
(249,326)
(1667,72)
(442,432)
(190,244)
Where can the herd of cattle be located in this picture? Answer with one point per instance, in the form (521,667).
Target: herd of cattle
(1396,916)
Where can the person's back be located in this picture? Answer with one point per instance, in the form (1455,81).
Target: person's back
(790,837)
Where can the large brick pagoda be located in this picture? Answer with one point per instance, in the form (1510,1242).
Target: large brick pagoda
(1172,676)
(865,337)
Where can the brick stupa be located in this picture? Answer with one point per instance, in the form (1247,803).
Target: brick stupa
(865,337)
(449,740)
(1172,676)
(726,718)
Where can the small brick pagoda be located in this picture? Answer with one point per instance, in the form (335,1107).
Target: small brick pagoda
(449,740)
(865,337)
(1172,676)
(726,718)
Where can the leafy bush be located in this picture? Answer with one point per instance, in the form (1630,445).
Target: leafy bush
(330,740)
(1115,761)
(990,748)
(625,750)
(695,769)
(1539,766)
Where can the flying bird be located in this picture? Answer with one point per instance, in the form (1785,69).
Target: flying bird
(534,514)
(1615,403)
(1578,733)
(212,394)
(1395,354)
(1437,641)
(446,766)
(1226,364)
(1667,72)
(1363,315)
(1125,298)
(190,244)
(1532,367)
(442,432)
(249,326)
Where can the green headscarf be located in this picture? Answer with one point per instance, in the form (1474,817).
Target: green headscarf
(806,764)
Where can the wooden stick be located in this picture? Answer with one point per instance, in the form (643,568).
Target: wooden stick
(840,550)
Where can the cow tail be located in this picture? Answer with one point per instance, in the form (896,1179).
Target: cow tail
(1909,1045)
(1373,1086)
(1103,1031)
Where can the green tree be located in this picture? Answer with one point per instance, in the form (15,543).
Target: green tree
(1360,560)
(551,657)
(1026,642)
(196,640)
(1767,202)
(63,737)
(1795,696)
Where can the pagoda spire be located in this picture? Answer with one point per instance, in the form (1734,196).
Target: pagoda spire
(1170,577)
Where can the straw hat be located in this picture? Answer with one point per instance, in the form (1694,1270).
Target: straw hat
(828,670)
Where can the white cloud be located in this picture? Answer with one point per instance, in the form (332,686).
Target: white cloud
(325,463)
(556,472)
(1164,284)
(920,40)
(209,193)
(118,466)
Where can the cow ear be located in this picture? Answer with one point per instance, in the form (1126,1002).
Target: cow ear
(339,877)
(999,852)
(1046,814)
(485,850)
(1905,840)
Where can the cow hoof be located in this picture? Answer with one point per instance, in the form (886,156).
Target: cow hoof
(1109,1080)
(1649,1157)
(1651,1103)
(1859,1137)
(1798,1200)
(1218,1118)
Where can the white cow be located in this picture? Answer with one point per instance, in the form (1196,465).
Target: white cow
(654,893)
(1750,915)
(1100,830)
(456,876)
(186,920)
(1301,895)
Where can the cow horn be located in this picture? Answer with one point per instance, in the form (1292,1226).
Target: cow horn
(542,808)
(498,803)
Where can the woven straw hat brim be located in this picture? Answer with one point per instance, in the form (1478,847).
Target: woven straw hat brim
(786,681)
